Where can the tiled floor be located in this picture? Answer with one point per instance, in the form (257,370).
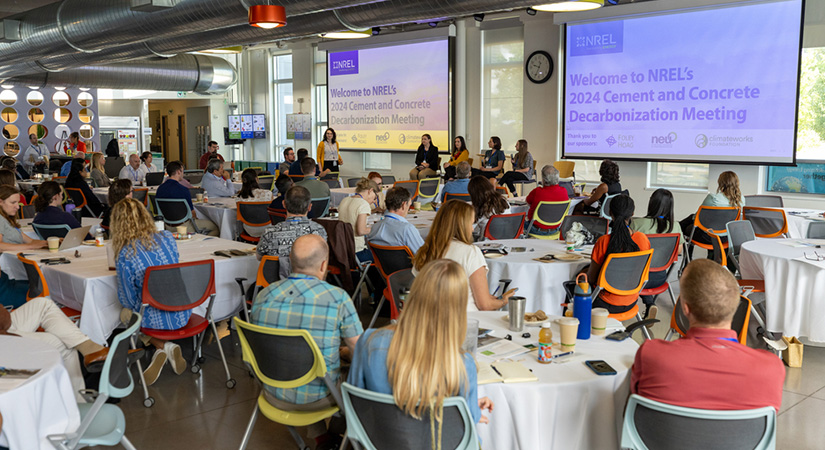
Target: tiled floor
(198,411)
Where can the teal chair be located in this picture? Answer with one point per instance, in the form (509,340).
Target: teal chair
(649,424)
(175,211)
(47,231)
(375,422)
(102,423)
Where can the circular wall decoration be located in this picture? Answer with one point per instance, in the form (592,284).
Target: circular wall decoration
(62,115)
(39,130)
(11,148)
(85,115)
(62,131)
(8,98)
(36,115)
(10,132)
(9,114)
(86,131)
(34,98)
(85,99)
(61,98)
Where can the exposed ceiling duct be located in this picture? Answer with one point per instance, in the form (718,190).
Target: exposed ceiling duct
(199,73)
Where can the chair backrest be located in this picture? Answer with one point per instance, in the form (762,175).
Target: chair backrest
(411,186)
(719,253)
(194,191)
(268,271)
(116,378)
(767,201)
(320,208)
(174,211)
(715,218)
(665,250)
(766,222)
(296,178)
(112,165)
(154,178)
(26,211)
(253,214)
(398,281)
(276,215)
(38,287)
(816,230)
(280,358)
(333,183)
(266,182)
(374,421)
(450,196)
(179,287)
(568,186)
(502,190)
(391,259)
(193,178)
(597,226)
(651,424)
(625,273)
(741,318)
(551,214)
(141,195)
(739,232)
(351,182)
(505,226)
(47,231)
(77,196)
(388,179)
(604,210)
(565,168)
(428,188)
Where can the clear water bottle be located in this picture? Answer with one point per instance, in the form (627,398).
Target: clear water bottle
(205,197)
(99,237)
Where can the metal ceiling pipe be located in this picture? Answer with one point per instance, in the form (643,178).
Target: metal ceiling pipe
(198,73)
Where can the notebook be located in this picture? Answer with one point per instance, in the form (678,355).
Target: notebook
(504,371)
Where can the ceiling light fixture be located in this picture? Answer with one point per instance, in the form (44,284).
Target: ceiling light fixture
(224,50)
(570,5)
(376,31)
(267,16)
(478,17)
(531,12)
(347,34)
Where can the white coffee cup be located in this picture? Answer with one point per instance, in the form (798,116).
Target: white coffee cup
(54,244)
(598,321)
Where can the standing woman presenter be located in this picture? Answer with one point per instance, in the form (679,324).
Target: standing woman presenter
(328,152)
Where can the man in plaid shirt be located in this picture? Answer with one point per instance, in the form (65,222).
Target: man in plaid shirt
(304,301)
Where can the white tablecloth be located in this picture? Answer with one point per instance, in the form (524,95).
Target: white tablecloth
(570,407)
(794,286)
(799,219)
(44,404)
(87,284)
(223,212)
(540,283)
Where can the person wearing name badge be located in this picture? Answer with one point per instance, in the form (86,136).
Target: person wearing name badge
(132,171)
(36,157)
(460,153)
(328,152)
(75,144)
(355,210)
(426,159)
(214,180)
(493,160)
(146,163)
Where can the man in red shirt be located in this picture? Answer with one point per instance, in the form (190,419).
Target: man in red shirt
(549,191)
(211,149)
(709,368)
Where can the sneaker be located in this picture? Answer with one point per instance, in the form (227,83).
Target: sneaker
(176,360)
(652,312)
(152,372)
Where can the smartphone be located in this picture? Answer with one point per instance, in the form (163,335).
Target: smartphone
(53,261)
(599,367)
(518,249)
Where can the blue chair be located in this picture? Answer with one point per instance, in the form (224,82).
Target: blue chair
(175,211)
(374,421)
(47,231)
(102,423)
(651,424)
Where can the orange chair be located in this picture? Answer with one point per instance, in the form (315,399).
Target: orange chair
(713,219)
(679,324)
(38,287)
(141,195)
(463,197)
(505,226)
(388,260)
(767,222)
(503,191)
(268,273)
(79,199)
(716,246)
(252,214)
(625,274)
(296,178)
(665,253)
(276,215)
(409,185)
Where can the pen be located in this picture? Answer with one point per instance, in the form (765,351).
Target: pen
(496,291)
(561,354)
(496,370)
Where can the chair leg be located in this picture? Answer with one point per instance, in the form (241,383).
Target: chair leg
(377,310)
(126,443)
(140,375)
(669,334)
(672,297)
(645,331)
(249,427)
(223,357)
(298,439)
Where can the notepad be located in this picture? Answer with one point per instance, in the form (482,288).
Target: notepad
(505,371)
(501,348)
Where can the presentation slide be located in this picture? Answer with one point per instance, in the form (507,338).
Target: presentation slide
(708,85)
(385,98)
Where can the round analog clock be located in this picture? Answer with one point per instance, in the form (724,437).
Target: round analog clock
(539,66)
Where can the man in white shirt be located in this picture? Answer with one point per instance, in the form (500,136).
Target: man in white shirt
(213,181)
(36,157)
(132,171)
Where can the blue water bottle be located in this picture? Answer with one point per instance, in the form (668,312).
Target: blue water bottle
(582,306)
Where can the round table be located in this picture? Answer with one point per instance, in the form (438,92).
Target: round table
(570,407)
(539,282)
(799,220)
(43,404)
(793,284)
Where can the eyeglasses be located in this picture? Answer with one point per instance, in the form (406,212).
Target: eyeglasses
(816,257)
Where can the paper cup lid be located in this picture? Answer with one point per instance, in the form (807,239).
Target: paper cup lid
(600,312)
(568,321)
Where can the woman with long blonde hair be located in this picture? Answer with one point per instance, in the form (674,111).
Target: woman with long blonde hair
(451,237)
(391,360)
(98,172)
(727,192)
(136,247)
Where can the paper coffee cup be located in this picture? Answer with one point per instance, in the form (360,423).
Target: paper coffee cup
(598,321)
(569,326)
(159,226)
(54,243)
(182,231)
(199,197)
(416,205)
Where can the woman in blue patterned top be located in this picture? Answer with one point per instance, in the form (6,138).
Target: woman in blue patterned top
(137,247)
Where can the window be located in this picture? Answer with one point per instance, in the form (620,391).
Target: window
(502,86)
(587,170)
(678,175)
(282,71)
(320,113)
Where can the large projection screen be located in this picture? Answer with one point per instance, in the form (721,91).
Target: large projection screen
(385,98)
(705,85)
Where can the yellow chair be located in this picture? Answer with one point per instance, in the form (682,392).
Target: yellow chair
(288,359)
(566,169)
(549,214)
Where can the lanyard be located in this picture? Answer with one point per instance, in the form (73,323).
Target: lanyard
(291,277)
(392,217)
(294,219)
(723,339)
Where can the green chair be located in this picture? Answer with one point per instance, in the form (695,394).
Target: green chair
(102,423)
(374,421)
(649,424)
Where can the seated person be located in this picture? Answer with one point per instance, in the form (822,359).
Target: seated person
(58,331)
(77,180)
(289,158)
(609,171)
(36,156)
(459,154)
(708,368)
(426,159)
(459,184)
(451,237)
(305,301)
(66,167)
(133,171)
(727,193)
(118,190)
(393,229)
(98,172)
(378,206)
(549,191)
(19,172)
(146,163)
(277,240)
(316,187)
(211,152)
(8,178)
(136,246)
(250,191)
(12,240)
(173,188)
(214,180)
(49,207)
(493,161)
(435,312)
(355,210)
(486,202)
(522,163)
(296,169)
(282,184)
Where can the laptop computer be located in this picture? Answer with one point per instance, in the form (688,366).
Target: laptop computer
(74,238)
(569,186)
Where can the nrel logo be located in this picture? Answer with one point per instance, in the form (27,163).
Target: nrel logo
(596,39)
(382,137)
(669,139)
(343,63)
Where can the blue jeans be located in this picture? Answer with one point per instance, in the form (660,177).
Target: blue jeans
(364,255)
